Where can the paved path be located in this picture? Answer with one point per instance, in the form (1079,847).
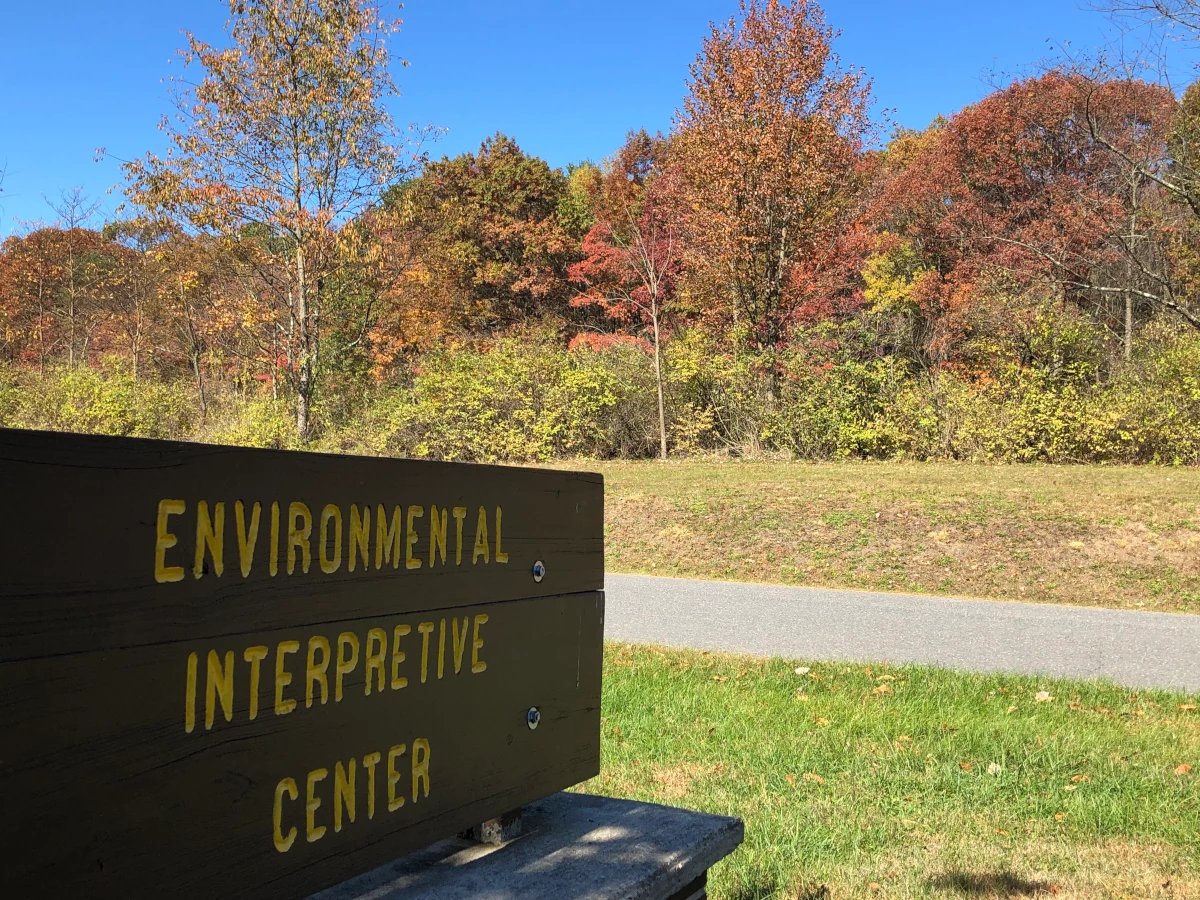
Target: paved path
(1138,649)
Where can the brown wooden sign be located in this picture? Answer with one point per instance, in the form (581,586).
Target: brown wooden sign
(230,672)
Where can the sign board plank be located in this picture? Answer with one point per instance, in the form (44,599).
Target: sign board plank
(80,560)
(241,730)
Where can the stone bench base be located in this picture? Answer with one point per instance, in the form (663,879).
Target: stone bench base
(572,847)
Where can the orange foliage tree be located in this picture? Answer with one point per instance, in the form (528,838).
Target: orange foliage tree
(492,233)
(769,141)
(58,291)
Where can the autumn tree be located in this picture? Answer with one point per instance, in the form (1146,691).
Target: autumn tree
(768,140)
(1019,186)
(632,255)
(492,233)
(282,140)
(1152,30)
(139,319)
(58,289)
(419,302)
(31,271)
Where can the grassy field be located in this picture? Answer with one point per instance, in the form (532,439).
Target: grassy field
(910,782)
(1100,536)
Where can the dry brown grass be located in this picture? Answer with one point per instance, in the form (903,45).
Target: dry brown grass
(1116,537)
(1003,870)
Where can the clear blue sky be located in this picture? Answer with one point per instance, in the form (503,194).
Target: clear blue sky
(566,78)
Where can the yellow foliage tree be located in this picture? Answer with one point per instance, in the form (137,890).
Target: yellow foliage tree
(282,141)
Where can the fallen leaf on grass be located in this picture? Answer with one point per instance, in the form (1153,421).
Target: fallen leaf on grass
(1042,697)
(1080,779)
(1183,770)
(966,766)
(802,670)
(1010,710)
(791,779)
(822,722)
(720,679)
(1058,817)
(813,778)
(882,689)
(1075,705)
(1187,707)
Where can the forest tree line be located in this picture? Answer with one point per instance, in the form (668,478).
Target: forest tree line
(1017,281)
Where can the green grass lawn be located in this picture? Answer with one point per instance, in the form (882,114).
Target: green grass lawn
(1103,536)
(911,782)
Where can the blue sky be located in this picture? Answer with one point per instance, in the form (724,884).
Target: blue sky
(566,78)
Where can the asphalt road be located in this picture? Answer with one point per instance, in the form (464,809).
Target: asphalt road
(1137,649)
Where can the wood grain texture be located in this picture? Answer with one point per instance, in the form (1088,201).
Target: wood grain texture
(106,791)
(78,538)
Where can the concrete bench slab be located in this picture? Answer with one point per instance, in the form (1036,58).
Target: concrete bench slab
(573,847)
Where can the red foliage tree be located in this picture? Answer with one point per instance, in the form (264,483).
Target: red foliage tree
(1018,185)
(631,255)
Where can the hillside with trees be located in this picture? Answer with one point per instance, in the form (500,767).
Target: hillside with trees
(780,273)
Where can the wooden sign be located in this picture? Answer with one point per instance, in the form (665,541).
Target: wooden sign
(230,672)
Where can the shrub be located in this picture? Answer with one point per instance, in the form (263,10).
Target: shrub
(523,398)
(527,397)
(715,398)
(255,421)
(90,401)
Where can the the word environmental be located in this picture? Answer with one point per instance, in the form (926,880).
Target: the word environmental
(231,672)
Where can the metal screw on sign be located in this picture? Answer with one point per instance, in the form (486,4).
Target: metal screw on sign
(532,718)
(539,571)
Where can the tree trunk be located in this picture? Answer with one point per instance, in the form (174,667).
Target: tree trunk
(71,330)
(199,383)
(136,349)
(658,380)
(1129,270)
(1128,326)
(304,375)
(41,330)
